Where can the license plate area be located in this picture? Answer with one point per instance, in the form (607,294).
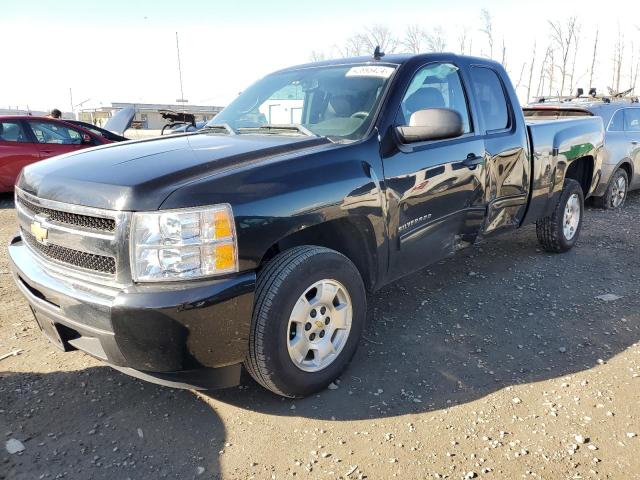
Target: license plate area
(49,329)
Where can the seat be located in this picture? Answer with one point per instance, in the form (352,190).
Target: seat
(425,97)
(341,105)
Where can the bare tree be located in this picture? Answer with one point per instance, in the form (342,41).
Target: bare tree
(593,59)
(414,38)
(519,82)
(618,57)
(504,54)
(354,46)
(564,36)
(317,56)
(543,69)
(551,69)
(531,65)
(576,45)
(436,41)
(380,35)
(462,39)
(487,28)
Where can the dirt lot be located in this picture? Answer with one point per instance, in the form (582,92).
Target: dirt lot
(499,363)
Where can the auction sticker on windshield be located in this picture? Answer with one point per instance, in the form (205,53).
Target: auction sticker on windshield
(370,71)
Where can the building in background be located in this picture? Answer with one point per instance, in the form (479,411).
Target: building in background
(35,113)
(148,116)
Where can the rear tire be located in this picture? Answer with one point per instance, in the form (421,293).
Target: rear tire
(296,293)
(616,193)
(559,232)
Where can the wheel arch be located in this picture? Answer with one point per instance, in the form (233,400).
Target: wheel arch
(352,236)
(581,170)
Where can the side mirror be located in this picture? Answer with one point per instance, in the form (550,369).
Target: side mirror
(432,124)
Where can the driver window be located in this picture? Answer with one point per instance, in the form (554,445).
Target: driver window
(50,132)
(435,86)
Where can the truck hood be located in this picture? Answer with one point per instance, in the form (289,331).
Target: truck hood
(139,175)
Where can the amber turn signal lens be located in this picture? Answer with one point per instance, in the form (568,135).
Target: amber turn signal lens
(222,224)
(225,256)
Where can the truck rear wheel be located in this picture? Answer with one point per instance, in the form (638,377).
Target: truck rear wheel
(559,232)
(309,312)
(616,193)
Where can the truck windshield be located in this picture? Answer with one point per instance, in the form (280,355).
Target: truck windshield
(338,102)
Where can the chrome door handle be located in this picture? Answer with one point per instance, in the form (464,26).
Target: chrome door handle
(473,160)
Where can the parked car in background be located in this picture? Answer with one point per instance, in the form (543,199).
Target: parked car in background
(26,139)
(621,153)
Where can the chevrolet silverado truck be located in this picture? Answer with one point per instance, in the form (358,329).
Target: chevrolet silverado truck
(255,241)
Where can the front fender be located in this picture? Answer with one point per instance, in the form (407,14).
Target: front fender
(281,196)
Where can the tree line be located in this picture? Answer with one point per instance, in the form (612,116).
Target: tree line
(571,55)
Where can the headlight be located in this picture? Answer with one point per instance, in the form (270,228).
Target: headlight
(183,244)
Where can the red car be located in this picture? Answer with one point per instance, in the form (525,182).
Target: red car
(26,139)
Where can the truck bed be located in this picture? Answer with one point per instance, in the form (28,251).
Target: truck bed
(554,144)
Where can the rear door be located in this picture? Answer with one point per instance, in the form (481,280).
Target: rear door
(507,172)
(632,133)
(56,138)
(436,185)
(16,151)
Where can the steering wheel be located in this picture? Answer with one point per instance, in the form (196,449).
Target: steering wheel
(361,115)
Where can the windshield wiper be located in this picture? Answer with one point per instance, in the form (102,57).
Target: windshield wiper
(220,126)
(275,128)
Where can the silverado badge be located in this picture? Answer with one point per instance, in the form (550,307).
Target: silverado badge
(39,232)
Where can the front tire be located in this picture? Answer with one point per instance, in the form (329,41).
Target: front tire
(309,312)
(559,232)
(616,193)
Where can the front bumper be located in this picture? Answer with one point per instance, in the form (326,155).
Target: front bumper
(191,334)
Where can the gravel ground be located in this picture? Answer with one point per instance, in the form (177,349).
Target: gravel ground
(499,363)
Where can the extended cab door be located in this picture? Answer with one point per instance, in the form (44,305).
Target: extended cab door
(55,138)
(508,169)
(434,189)
(16,151)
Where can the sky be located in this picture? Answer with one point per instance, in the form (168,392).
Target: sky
(125,51)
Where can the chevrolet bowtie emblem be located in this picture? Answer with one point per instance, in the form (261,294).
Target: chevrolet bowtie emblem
(39,232)
(319,324)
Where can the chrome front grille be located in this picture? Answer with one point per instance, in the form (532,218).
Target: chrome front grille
(74,240)
(72,219)
(69,256)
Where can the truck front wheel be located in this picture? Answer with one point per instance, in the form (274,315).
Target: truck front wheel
(559,232)
(309,312)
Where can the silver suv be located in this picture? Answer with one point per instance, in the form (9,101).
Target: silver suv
(621,153)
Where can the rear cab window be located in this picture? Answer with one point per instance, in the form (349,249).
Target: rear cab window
(490,94)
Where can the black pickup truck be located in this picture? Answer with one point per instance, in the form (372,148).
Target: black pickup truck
(255,241)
